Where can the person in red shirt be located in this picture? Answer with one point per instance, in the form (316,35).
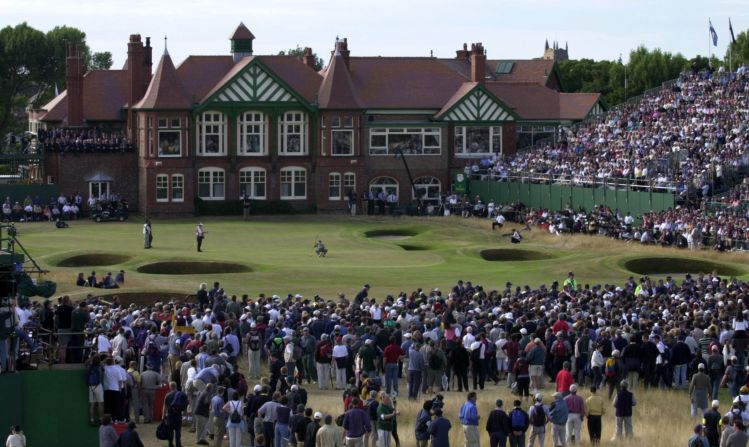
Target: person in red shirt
(561,325)
(565,379)
(390,358)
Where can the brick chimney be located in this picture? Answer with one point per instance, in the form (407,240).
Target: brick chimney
(147,64)
(309,58)
(478,63)
(74,82)
(135,76)
(341,47)
(462,55)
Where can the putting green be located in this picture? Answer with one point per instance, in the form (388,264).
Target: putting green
(280,252)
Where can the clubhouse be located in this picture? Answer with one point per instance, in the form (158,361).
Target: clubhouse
(274,127)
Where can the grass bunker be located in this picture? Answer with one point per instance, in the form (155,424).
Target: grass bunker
(93,260)
(662,266)
(510,255)
(192,268)
(410,247)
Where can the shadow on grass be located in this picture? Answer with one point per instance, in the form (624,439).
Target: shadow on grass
(192,268)
(510,255)
(93,260)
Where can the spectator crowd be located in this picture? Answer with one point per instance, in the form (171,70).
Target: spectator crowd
(238,366)
(95,139)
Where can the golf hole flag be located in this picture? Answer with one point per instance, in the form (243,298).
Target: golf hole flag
(713,34)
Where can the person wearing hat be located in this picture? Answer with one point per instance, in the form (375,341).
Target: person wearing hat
(200,235)
(538,415)
(576,408)
(624,402)
(323,360)
(698,439)
(498,425)
(711,421)
(310,436)
(559,415)
(699,391)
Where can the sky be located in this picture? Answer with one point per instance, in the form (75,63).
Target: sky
(509,29)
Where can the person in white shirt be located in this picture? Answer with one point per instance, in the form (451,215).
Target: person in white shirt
(16,437)
(340,358)
(499,221)
(114,380)
(103,345)
(468,338)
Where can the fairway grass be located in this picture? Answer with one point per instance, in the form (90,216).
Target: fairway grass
(277,255)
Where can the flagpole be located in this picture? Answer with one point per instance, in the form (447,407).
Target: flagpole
(709,41)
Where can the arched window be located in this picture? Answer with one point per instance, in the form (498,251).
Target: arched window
(252,183)
(211,184)
(386,185)
(428,188)
(334,186)
(252,133)
(211,134)
(293,183)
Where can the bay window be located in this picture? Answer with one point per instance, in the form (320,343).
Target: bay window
(411,141)
(211,134)
(477,141)
(252,131)
(292,133)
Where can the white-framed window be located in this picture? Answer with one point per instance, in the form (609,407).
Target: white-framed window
(334,186)
(292,133)
(211,184)
(170,143)
(411,141)
(98,190)
(477,141)
(178,188)
(349,182)
(162,188)
(293,183)
(211,134)
(252,133)
(428,188)
(384,185)
(252,183)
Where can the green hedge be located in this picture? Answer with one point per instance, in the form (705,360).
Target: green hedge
(234,208)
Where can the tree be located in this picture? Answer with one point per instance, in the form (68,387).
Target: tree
(101,60)
(59,38)
(738,52)
(299,53)
(24,61)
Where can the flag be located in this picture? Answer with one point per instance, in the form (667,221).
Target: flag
(57,92)
(713,34)
(730,28)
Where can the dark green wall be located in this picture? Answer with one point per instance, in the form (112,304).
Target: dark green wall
(558,197)
(51,406)
(18,192)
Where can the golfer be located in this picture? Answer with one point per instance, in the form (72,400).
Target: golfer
(147,234)
(200,235)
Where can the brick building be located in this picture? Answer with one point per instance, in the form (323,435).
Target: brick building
(215,127)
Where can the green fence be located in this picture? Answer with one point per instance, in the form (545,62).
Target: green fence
(558,197)
(51,406)
(19,191)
